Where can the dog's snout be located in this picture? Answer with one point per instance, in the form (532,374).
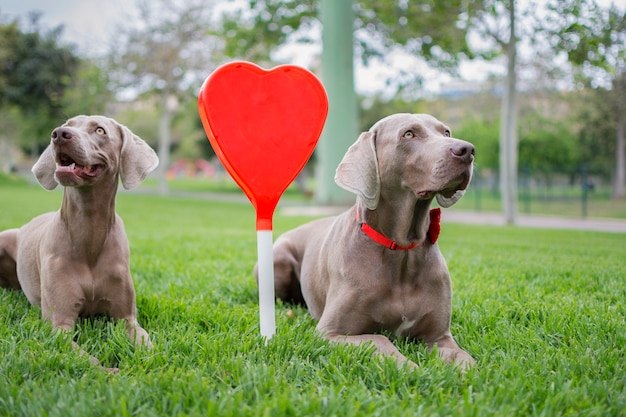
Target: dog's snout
(463,150)
(61,135)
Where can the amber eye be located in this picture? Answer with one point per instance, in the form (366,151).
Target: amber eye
(447,133)
(100,131)
(408,135)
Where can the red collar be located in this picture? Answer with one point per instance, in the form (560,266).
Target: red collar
(433,232)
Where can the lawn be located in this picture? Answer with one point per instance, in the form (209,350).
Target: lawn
(542,312)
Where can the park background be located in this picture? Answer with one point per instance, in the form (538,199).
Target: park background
(143,62)
(541,310)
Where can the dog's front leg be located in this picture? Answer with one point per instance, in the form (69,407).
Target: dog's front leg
(450,352)
(383,346)
(137,334)
(63,322)
(66,331)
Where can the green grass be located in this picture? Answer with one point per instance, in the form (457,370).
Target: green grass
(542,311)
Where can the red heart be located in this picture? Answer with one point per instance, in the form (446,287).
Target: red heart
(263,126)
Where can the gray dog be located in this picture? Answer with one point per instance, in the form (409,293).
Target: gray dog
(376,266)
(75,262)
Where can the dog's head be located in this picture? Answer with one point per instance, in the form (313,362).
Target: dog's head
(407,153)
(86,149)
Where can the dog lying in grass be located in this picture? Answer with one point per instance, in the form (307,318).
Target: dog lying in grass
(377,266)
(75,262)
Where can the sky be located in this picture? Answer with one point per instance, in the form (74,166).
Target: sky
(87,23)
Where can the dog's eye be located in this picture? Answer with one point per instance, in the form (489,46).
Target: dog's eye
(100,131)
(447,133)
(408,135)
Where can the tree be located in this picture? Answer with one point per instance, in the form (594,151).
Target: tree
(35,75)
(595,122)
(484,135)
(549,146)
(496,24)
(593,38)
(434,30)
(166,58)
(89,92)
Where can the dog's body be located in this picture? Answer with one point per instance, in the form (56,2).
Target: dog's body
(354,285)
(75,262)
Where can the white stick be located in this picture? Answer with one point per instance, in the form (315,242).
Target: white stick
(265,258)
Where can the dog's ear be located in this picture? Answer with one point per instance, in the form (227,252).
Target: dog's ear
(447,202)
(44,169)
(358,170)
(138,159)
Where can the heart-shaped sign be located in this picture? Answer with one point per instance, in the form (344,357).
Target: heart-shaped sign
(263,126)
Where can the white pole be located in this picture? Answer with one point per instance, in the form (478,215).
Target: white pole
(265,259)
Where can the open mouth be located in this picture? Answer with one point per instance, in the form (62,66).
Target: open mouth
(65,164)
(460,184)
(456,186)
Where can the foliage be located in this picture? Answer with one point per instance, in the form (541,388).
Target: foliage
(36,73)
(89,92)
(375,108)
(593,38)
(252,32)
(548,334)
(596,132)
(433,30)
(485,136)
(549,146)
(169,54)
(165,60)
(591,35)
(193,143)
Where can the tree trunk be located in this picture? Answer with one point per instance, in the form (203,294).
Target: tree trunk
(165,139)
(620,164)
(508,129)
(337,19)
(6,156)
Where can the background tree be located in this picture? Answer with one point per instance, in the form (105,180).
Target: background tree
(497,24)
(89,92)
(166,58)
(35,74)
(549,147)
(594,39)
(432,30)
(595,123)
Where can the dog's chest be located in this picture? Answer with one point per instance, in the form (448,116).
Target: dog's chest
(100,288)
(402,310)
(404,326)
(414,307)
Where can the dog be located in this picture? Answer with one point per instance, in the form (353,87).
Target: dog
(75,262)
(376,267)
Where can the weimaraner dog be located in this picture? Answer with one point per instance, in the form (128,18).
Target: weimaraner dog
(75,262)
(376,267)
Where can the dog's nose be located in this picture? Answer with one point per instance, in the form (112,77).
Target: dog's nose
(61,135)
(463,151)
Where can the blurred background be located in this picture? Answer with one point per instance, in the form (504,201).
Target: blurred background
(537,86)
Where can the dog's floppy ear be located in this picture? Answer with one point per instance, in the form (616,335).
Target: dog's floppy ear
(447,202)
(44,169)
(358,170)
(138,159)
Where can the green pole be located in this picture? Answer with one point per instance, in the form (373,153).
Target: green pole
(340,130)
